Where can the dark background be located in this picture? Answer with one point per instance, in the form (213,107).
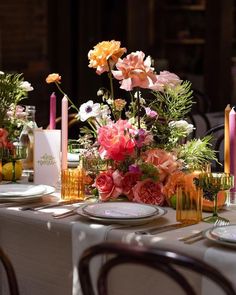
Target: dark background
(193,38)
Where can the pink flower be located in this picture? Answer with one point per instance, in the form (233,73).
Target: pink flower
(129,181)
(16,112)
(150,113)
(109,184)
(149,192)
(134,71)
(115,140)
(3,137)
(165,162)
(143,137)
(166,79)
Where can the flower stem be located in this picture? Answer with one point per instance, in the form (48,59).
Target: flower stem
(138,109)
(73,105)
(111,80)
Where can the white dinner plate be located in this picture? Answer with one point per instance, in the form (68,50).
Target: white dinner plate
(132,221)
(20,190)
(120,210)
(207,234)
(225,233)
(13,196)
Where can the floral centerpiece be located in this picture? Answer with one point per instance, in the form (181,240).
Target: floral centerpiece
(13,89)
(144,139)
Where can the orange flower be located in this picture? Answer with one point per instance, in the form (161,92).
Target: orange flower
(52,78)
(179,178)
(119,104)
(102,52)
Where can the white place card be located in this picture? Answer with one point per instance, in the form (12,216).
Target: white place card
(47,163)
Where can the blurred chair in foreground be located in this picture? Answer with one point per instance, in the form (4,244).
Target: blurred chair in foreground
(11,277)
(170,263)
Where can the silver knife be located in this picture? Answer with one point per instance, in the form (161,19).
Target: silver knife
(50,205)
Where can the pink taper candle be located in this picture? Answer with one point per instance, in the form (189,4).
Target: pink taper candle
(232,139)
(52,123)
(64,132)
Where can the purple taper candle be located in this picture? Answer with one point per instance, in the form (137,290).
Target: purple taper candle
(232,140)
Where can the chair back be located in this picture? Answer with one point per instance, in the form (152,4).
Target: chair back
(217,133)
(11,276)
(167,262)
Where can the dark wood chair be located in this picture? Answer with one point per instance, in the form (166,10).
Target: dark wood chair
(11,276)
(167,262)
(217,133)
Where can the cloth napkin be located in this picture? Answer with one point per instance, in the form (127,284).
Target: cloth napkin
(85,235)
(222,259)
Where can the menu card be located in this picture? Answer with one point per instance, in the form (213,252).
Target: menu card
(47,163)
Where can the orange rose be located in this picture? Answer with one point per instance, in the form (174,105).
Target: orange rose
(148,192)
(52,78)
(102,52)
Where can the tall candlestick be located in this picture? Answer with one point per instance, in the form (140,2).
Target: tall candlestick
(64,132)
(52,123)
(232,139)
(227,141)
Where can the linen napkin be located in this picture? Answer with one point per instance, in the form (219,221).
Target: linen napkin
(85,235)
(222,259)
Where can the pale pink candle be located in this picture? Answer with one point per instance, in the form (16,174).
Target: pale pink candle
(232,140)
(64,132)
(52,123)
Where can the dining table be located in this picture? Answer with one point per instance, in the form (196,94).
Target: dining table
(45,250)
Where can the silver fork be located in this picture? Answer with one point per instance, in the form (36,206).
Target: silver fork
(190,239)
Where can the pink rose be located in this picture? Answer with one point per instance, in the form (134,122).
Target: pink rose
(109,184)
(116,140)
(129,181)
(165,162)
(134,71)
(148,192)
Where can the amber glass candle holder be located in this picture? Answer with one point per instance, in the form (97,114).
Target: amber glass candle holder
(72,184)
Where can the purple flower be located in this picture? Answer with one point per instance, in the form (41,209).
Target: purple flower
(134,168)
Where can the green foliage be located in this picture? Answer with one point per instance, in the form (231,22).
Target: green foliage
(196,153)
(11,92)
(171,105)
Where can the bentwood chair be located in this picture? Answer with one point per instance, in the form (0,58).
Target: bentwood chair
(170,263)
(10,273)
(217,134)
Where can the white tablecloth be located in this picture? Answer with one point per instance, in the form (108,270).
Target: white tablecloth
(45,251)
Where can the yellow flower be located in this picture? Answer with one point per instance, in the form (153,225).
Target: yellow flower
(53,78)
(102,53)
(119,104)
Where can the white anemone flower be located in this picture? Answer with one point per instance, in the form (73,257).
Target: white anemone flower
(88,110)
(26,86)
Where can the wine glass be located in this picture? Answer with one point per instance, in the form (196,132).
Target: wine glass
(13,154)
(212,183)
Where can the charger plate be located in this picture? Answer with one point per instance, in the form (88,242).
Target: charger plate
(207,234)
(136,217)
(22,192)
(225,233)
